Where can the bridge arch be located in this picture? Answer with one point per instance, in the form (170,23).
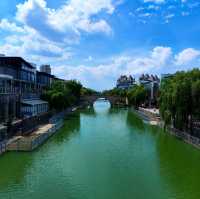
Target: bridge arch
(114,100)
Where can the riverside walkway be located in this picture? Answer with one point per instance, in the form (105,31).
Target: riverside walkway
(37,138)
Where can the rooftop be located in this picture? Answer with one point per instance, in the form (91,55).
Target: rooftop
(16,61)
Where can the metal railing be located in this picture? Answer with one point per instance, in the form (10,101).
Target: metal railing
(4,90)
(185,136)
(2,147)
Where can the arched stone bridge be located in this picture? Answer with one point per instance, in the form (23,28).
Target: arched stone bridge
(114,100)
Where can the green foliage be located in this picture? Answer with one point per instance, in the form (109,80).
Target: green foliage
(137,96)
(88,92)
(115,92)
(196,97)
(167,117)
(180,99)
(63,94)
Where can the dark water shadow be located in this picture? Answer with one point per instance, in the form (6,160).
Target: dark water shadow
(89,112)
(70,128)
(13,167)
(135,122)
(179,165)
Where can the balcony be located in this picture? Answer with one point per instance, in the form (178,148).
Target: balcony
(9,90)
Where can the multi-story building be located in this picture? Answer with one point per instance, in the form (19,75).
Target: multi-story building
(17,78)
(44,80)
(45,69)
(151,83)
(125,82)
(21,86)
(20,89)
(33,107)
(23,74)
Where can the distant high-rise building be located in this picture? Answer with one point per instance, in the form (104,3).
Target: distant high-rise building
(125,82)
(45,69)
(151,84)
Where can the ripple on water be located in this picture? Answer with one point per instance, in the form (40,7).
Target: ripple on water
(104,153)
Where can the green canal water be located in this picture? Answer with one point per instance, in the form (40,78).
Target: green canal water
(103,153)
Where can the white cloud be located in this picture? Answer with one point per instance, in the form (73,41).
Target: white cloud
(161,54)
(44,35)
(34,47)
(146,15)
(41,33)
(186,56)
(140,9)
(185,13)
(105,75)
(162,11)
(169,16)
(153,7)
(194,5)
(89,59)
(158,60)
(71,18)
(155,1)
(100,26)
(8,26)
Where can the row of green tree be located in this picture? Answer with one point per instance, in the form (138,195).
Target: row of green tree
(136,95)
(179,100)
(179,97)
(63,94)
(115,92)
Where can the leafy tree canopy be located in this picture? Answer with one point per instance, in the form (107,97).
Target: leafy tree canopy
(180,99)
(63,94)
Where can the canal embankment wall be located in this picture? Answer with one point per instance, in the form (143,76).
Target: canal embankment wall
(153,118)
(36,139)
(2,147)
(184,136)
(39,136)
(150,116)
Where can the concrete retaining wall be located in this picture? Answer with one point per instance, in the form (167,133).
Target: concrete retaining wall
(2,147)
(33,141)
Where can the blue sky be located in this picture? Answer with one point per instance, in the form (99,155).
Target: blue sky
(95,41)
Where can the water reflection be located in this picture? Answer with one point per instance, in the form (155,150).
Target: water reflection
(179,166)
(13,168)
(134,121)
(101,153)
(113,111)
(90,111)
(71,128)
(102,106)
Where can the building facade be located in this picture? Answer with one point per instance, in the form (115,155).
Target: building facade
(125,82)
(45,69)
(44,80)
(35,107)
(17,78)
(151,83)
(20,89)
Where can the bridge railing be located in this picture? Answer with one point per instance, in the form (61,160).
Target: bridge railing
(114,100)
